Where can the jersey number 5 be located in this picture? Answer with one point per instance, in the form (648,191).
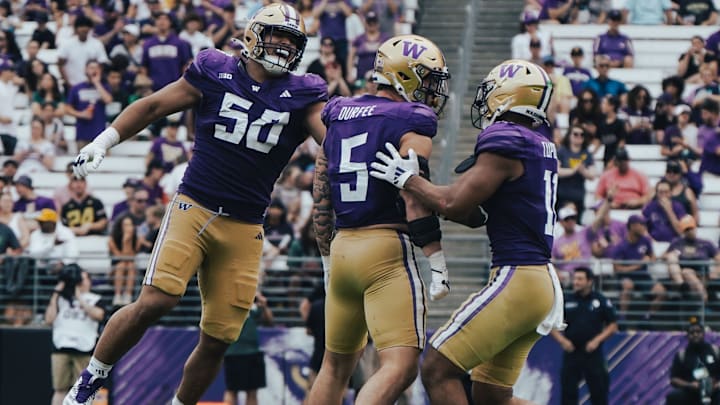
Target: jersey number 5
(236,108)
(359,168)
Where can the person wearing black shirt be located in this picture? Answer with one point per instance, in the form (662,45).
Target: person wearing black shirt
(695,371)
(42,34)
(591,320)
(611,131)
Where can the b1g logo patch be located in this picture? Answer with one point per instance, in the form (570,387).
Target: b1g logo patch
(184,206)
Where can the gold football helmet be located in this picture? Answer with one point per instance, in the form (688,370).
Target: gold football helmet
(516,86)
(415,67)
(277,19)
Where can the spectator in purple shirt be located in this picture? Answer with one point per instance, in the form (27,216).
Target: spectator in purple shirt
(712,43)
(572,247)
(388,12)
(86,102)
(605,233)
(28,202)
(577,74)
(165,56)
(631,257)
(361,56)
(616,46)
(709,136)
(332,15)
(663,214)
(167,148)
(688,248)
(559,11)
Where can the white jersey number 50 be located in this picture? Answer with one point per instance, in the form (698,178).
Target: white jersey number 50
(236,108)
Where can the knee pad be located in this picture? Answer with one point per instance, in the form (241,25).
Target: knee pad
(425,230)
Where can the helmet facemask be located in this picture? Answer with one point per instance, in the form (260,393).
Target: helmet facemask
(282,58)
(480,109)
(433,89)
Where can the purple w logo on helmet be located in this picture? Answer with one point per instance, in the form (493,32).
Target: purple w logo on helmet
(509,70)
(413,50)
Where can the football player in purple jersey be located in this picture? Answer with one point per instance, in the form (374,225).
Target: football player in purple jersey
(512,176)
(372,279)
(251,114)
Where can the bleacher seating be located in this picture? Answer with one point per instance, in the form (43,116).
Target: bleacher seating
(657,49)
(111,164)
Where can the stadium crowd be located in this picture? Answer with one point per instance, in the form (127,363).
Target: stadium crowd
(109,54)
(638,233)
(85,61)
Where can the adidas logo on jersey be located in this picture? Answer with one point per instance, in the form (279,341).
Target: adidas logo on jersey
(227,76)
(259,236)
(285,94)
(255,88)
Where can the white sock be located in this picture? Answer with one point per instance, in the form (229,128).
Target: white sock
(437,261)
(176,401)
(98,368)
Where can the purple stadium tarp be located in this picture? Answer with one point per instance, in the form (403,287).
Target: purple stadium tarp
(149,374)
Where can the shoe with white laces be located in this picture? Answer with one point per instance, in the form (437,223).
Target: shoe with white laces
(84,390)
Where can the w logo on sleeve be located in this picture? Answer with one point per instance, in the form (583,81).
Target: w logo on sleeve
(509,70)
(412,49)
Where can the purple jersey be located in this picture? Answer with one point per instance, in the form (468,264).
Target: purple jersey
(575,248)
(658,223)
(365,49)
(168,152)
(695,249)
(81,96)
(710,161)
(633,251)
(332,19)
(614,46)
(165,59)
(36,205)
(246,133)
(577,77)
(357,129)
(521,213)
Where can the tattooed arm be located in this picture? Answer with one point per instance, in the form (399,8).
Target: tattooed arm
(323,215)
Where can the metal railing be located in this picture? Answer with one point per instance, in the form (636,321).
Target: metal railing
(287,286)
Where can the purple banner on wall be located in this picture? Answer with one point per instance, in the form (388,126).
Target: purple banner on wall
(639,364)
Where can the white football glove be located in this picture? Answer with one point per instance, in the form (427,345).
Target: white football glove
(94,152)
(90,155)
(326,271)
(440,285)
(394,169)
